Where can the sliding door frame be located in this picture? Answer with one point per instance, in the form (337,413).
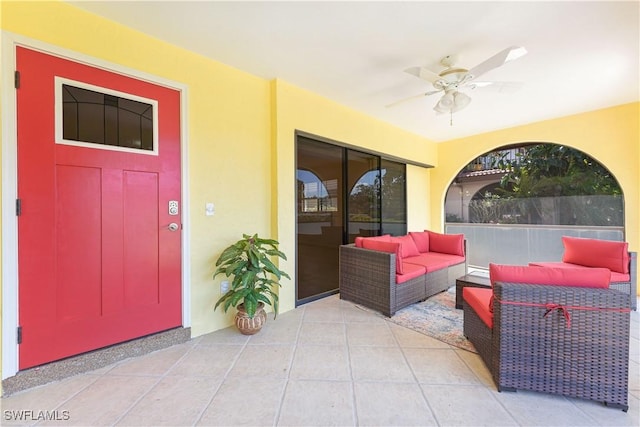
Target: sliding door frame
(345,194)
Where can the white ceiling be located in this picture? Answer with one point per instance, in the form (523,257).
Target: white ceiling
(582,56)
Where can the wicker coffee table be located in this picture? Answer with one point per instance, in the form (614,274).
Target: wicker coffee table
(469,280)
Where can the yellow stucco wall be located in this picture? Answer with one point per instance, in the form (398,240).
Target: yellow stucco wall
(240,139)
(611,136)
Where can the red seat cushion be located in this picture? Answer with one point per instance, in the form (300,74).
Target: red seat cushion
(434,260)
(480,300)
(596,253)
(615,276)
(430,261)
(589,278)
(449,258)
(410,271)
(619,277)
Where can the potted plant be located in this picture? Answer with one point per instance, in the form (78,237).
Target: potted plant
(254,278)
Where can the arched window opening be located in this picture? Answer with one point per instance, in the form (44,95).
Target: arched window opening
(541,184)
(515,203)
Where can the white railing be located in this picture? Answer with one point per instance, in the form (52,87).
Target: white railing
(521,244)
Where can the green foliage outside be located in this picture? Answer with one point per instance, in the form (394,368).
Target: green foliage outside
(551,184)
(388,190)
(550,170)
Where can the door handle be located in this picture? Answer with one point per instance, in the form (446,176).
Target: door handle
(173,226)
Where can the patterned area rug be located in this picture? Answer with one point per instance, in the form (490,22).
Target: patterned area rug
(436,317)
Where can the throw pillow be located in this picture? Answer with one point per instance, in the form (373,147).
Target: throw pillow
(421,239)
(446,243)
(596,253)
(588,278)
(383,238)
(407,245)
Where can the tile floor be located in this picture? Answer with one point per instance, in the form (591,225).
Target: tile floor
(326,363)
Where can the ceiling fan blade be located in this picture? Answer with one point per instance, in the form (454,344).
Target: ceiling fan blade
(500,87)
(402,101)
(501,58)
(423,73)
(432,92)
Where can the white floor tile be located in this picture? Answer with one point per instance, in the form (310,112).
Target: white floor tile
(329,362)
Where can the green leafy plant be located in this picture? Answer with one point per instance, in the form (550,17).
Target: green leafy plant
(254,274)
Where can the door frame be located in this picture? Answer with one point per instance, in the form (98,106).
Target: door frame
(10,288)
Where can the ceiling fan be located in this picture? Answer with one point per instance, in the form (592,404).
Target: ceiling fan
(452,79)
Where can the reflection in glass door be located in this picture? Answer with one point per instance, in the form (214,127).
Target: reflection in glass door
(341,194)
(363,187)
(393,197)
(319,218)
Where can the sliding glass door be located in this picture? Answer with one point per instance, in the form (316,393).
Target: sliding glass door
(341,194)
(363,188)
(320,213)
(393,197)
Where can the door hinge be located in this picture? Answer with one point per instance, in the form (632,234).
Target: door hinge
(19,335)
(18,207)
(16,79)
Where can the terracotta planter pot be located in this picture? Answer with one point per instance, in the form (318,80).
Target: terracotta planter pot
(250,325)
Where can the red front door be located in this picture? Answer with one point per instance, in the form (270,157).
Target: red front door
(98,263)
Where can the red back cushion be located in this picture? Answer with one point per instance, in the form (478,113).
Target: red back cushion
(421,239)
(588,278)
(382,246)
(383,238)
(446,243)
(597,253)
(407,246)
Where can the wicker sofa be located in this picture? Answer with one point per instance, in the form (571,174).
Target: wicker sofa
(387,273)
(552,330)
(589,253)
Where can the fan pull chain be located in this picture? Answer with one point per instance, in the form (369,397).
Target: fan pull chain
(450,118)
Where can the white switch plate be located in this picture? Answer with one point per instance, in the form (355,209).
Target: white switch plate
(224,287)
(209,209)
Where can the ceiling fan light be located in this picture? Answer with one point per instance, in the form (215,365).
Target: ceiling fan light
(460,100)
(440,109)
(446,103)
